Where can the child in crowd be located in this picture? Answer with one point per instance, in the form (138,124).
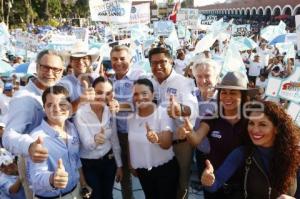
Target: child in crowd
(10,182)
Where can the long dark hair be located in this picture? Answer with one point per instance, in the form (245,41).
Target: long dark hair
(286,158)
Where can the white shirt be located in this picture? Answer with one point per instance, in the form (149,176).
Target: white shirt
(254,68)
(180,66)
(182,88)
(88,126)
(261,84)
(264,55)
(143,153)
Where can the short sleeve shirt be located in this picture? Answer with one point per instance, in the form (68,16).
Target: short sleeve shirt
(223,138)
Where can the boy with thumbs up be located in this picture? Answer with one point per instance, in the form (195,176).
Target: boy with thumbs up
(59,175)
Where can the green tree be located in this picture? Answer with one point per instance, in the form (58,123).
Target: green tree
(54,8)
(82,8)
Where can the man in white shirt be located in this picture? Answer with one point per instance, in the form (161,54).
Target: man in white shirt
(255,67)
(171,87)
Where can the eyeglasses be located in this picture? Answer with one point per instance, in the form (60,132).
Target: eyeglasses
(160,62)
(55,70)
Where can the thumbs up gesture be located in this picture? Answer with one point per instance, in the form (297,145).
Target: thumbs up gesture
(100,137)
(151,135)
(60,177)
(185,129)
(114,106)
(88,94)
(208,177)
(174,109)
(37,152)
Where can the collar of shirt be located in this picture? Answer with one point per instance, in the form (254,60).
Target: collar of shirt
(127,76)
(170,78)
(50,131)
(33,88)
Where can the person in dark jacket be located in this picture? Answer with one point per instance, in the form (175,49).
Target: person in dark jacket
(270,161)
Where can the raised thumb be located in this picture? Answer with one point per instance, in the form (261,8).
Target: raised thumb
(102,130)
(209,167)
(60,165)
(147,127)
(85,84)
(39,140)
(172,99)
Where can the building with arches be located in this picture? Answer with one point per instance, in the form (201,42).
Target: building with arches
(249,8)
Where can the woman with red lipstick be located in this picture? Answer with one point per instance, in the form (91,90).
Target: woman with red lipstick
(224,130)
(270,161)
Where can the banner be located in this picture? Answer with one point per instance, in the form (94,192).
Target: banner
(81,34)
(188,17)
(209,20)
(114,11)
(140,14)
(288,88)
(294,111)
(297,18)
(241,30)
(164,28)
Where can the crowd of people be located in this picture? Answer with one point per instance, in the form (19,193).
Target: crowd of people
(72,130)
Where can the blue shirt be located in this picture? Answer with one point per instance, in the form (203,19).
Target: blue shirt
(205,107)
(6,181)
(73,85)
(235,160)
(123,93)
(25,113)
(39,173)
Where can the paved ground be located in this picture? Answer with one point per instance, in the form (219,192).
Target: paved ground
(195,190)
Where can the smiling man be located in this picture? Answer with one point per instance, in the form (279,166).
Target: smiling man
(26,111)
(175,92)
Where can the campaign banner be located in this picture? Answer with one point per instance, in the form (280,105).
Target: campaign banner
(288,88)
(113,11)
(4,34)
(61,42)
(294,111)
(164,28)
(209,20)
(241,30)
(81,34)
(297,18)
(28,41)
(188,17)
(140,14)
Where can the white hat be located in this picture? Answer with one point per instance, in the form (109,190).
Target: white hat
(80,49)
(6,157)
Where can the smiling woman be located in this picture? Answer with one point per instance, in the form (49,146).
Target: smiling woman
(270,161)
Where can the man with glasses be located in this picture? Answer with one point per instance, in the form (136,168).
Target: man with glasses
(176,93)
(80,59)
(26,111)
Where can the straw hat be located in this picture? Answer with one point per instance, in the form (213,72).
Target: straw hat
(80,49)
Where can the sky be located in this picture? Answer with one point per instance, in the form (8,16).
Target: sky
(207,2)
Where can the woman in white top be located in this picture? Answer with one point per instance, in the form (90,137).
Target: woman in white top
(100,149)
(150,144)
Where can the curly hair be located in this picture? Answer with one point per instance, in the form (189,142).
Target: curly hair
(286,158)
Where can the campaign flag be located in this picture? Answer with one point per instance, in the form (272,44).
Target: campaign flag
(271,32)
(113,11)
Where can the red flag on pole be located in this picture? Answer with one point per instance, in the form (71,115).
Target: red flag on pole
(175,10)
